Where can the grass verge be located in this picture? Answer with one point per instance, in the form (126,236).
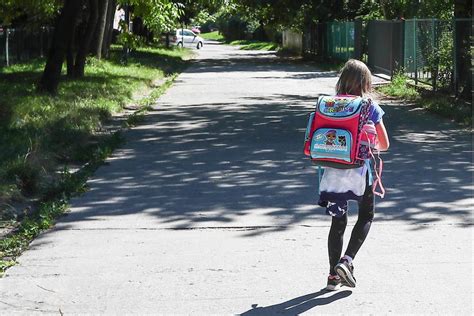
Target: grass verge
(255,45)
(213,36)
(398,88)
(55,204)
(245,44)
(447,106)
(42,137)
(38,132)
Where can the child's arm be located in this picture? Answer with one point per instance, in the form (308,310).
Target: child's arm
(382,136)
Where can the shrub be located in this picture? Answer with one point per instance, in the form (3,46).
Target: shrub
(399,88)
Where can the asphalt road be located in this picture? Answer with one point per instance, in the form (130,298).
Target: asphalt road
(210,208)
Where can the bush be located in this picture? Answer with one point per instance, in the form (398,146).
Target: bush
(233,28)
(399,88)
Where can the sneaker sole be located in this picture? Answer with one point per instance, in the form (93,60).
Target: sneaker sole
(344,273)
(333,287)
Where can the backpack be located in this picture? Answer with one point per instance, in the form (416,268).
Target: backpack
(339,133)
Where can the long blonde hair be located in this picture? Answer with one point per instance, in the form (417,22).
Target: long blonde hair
(355,78)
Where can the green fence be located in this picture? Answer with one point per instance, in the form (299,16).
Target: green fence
(427,50)
(429,55)
(340,40)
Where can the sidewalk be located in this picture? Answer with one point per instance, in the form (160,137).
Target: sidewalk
(209,208)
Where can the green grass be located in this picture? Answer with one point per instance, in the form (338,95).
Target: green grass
(245,44)
(399,88)
(255,45)
(441,104)
(457,110)
(214,36)
(56,204)
(38,132)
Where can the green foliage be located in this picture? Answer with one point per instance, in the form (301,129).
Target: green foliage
(11,246)
(215,36)
(201,11)
(394,9)
(130,40)
(203,17)
(274,13)
(66,186)
(5,264)
(449,107)
(444,105)
(24,174)
(31,12)
(440,57)
(97,95)
(234,25)
(39,131)
(157,15)
(296,14)
(145,103)
(398,88)
(255,45)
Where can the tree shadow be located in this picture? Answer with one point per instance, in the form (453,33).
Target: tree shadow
(169,64)
(298,305)
(211,164)
(306,76)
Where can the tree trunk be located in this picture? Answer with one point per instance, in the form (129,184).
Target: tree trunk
(463,10)
(383,6)
(62,33)
(100,28)
(109,27)
(85,43)
(71,53)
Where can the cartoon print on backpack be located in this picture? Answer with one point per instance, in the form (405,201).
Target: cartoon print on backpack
(330,103)
(339,105)
(331,138)
(342,141)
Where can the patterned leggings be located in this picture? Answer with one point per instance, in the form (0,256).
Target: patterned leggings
(359,232)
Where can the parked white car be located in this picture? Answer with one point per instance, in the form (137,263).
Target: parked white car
(186,38)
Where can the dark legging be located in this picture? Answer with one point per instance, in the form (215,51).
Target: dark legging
(359,232)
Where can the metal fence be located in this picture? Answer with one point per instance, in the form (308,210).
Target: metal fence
(332,40)
(429,54)
(18,45)
(424,49)
(341,40)
(385,46)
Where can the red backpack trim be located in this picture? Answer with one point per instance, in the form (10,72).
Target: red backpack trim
(334,129)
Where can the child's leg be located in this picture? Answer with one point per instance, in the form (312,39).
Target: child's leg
(335,241)
(364,221)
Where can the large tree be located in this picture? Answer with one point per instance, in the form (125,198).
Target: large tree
(394,9)
(28,12)
(100,32)
(64,30)
(463,45)
(85,26)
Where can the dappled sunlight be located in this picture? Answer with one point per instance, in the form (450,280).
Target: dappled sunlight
(427,169)
(233,158)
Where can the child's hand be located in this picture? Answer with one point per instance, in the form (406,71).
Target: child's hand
(383,143)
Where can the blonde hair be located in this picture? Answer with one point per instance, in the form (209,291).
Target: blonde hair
(355,78)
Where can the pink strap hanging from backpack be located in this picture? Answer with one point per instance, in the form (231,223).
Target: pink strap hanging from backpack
(368,137)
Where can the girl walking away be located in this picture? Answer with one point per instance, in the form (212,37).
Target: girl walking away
(355,79)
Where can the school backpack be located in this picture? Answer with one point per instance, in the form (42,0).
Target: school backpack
(339,133)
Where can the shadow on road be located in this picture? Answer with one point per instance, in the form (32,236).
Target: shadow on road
(298,305)
(209,164)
